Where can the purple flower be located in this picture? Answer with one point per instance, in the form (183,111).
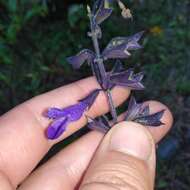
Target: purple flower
(62,117)
(141,114)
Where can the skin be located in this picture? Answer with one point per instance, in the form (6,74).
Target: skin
(82,164)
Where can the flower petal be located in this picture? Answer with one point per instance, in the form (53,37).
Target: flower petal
(89,100)
(54,113)
(56,128)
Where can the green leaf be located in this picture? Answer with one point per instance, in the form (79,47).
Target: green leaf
(75,13)
(4,78)
(12,5)
(162,184)
(36,10)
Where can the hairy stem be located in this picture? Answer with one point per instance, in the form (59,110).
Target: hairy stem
(101,68)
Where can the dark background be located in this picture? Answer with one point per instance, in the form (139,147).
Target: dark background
(36,37)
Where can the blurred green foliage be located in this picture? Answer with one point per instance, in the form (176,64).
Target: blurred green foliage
(34,44)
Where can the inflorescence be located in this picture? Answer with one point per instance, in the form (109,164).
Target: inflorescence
(118,48)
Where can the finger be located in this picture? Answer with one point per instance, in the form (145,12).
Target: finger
(158,132)
(124,160)
(4,182)
(68,166)
(22,139)
(70,94)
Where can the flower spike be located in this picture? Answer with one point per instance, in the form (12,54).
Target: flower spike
(117,48)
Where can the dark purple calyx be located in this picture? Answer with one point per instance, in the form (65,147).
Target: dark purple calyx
(84,55)
(102,14)
(99,124)
(128,79)
(141,114)
(119,47)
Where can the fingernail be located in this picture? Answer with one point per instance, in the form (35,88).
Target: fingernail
(131,138)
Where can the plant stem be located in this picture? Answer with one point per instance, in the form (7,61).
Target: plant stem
(112,107)
(101,68)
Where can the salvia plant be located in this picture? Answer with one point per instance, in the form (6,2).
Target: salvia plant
(118,48)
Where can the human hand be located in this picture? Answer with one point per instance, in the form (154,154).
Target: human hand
(125,158)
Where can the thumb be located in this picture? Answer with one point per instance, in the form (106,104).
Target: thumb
(124,160)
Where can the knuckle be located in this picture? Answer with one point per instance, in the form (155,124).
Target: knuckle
(119,172)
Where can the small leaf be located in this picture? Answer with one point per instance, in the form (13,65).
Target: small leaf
(84,55)
(54,113)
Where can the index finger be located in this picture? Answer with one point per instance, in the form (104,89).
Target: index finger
(22,139)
